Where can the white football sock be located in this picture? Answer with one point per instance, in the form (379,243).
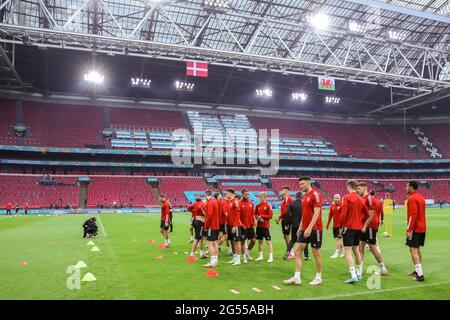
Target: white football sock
(353,272)
(271,255)
(359,269)
(419,269)
(381,265)
(297,275)
(319,276)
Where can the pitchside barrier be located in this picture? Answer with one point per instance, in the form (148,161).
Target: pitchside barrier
(141,210)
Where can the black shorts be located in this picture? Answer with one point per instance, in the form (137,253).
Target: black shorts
(351,237)
(285,227)
(336,233)
(163,225)
(212,235)
(370,236)
(223,228)
(263,233)
(417,240)
(249,233)
(198,229)
(315,238)
(237,236)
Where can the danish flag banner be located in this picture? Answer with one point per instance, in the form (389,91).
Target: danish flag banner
(197,68)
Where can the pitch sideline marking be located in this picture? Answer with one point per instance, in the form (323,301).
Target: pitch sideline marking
(101,226)
(377,291)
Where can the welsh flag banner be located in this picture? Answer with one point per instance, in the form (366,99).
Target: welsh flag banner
(327,84)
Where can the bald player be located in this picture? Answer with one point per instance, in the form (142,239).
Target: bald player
(335,215)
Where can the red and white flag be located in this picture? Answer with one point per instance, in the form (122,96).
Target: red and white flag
(197,68)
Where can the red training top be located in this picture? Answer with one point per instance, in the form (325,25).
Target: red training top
(212,214)
(264,211)
(247,213)
(335,214)
(311,200)
(353,212)
(284,205)
(416,213)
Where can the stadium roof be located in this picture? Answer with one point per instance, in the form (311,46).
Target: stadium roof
(259,36)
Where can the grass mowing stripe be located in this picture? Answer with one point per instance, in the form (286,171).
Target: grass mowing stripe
(101,225)
(377,291)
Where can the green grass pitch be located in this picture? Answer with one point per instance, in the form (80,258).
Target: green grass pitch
(126,267)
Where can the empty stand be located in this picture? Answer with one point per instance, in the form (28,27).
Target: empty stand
(140,119)
(174,188)
(21,189)
(52,125)
(121,190)
(7,122)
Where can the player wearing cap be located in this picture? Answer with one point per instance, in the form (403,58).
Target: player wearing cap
(263,213)
(247,209)
(234,226)
(417,227)
(335,215)
(310,231)
(369,230)
(212,227)
(353,216)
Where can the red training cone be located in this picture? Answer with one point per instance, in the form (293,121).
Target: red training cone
(212,273)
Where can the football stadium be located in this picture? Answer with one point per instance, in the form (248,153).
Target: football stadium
(224,150)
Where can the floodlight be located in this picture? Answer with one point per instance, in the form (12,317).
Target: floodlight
(94,77)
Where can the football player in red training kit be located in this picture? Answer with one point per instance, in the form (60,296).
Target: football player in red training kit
(417,227)
(234,226)
(378,211)
(198,216)
(285,225)
(310,231)
(248,220)
(353,216)
(223,204)
(165,218)
(212,227)
(369,230)
(335,215)
(263,213)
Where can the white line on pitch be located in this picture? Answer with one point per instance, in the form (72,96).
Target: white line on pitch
(376,291)
(101,225)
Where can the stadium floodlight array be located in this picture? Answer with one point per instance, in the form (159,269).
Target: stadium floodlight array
(94,77)
(319,20)
(263,92)
(395,35)
(356,27)
(216,5)
(184,86)
(332,100)
(299,96)
(140,82)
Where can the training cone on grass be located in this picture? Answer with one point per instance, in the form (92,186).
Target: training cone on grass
(151,241)
(88,277)
(159,258)
(212,273)
(80,264)
(162,246)
(191,259)
(95,249)
(23,264)
(91,243)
